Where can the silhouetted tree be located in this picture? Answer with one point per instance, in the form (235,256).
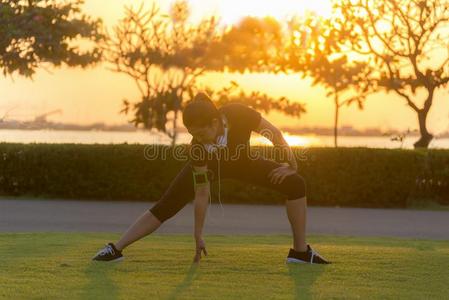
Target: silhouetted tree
(164,55)
(34,33)
(249,45)
(408,40)
(257,100)
(314,51)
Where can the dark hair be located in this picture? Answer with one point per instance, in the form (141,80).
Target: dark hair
(200,111)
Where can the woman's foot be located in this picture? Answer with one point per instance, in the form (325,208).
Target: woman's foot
(307,257)
(108,253)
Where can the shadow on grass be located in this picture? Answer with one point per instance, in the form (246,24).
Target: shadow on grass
(100,285)
(188,279)
(303,277)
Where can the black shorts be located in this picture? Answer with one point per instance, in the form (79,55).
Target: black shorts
(254,171)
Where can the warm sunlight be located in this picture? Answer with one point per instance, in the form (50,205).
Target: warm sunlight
(148,115)
(292,140)
(234,9)
(229,11)
(297,140)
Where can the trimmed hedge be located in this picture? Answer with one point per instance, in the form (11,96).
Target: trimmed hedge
(354,177)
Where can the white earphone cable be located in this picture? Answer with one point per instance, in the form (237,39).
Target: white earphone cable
(222,141)
(219,188)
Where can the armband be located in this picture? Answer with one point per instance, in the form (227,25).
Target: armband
(200,178)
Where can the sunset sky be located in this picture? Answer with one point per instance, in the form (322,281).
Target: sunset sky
(95,94)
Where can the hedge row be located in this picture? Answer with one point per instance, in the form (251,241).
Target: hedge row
(354,177)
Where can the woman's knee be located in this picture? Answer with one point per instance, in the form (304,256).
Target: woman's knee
(161,214)
(169,205)
(176,196)
(295,187)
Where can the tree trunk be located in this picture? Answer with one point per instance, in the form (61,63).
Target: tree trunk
(337,108)
(426,137)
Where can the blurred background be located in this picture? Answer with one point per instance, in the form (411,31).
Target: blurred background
(328,73)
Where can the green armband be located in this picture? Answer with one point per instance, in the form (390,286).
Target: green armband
(200,178)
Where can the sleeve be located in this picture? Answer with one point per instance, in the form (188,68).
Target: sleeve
(245,116)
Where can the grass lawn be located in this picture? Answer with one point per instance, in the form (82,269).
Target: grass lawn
(58,266)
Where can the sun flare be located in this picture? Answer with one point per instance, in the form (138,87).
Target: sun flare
(232,10)
(292,140)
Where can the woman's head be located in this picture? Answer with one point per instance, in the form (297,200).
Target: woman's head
(201,118)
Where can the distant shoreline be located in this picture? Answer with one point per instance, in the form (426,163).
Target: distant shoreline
(99,127)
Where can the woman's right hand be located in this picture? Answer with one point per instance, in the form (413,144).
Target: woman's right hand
(200,247)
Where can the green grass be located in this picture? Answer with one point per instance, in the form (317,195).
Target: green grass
(58,266)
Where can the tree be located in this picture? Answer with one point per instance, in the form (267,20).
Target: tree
(164,55)
(250,45)
(256,100)
(314,51)
(404,39)
(34,33)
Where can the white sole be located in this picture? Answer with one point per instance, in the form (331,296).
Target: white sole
(117,259)
(291,260)
(110,261)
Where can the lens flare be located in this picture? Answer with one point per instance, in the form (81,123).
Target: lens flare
(292,140)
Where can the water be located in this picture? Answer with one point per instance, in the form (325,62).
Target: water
(145,137)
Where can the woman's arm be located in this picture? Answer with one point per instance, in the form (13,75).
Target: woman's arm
(201,203)
(201,200)
(271,132)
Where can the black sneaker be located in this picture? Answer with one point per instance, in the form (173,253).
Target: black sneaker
(307,257)
(108,253)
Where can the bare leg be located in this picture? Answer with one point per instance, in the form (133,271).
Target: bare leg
(296,212)
(143,226)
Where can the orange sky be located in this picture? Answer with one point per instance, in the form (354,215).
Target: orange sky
(95,94)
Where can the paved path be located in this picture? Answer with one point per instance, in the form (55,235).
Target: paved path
(96,216)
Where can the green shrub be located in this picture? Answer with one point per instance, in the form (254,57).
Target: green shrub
(354,177)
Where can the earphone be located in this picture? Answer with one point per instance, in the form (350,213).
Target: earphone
(222,141)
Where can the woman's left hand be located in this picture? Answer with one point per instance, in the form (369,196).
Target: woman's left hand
(278,175)
(200,247)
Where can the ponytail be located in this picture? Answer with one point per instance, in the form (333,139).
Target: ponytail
(202,96)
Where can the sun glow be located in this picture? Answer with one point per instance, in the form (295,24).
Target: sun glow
(231,11)
(292,140)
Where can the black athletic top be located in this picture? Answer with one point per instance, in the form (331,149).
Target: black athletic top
(241,121)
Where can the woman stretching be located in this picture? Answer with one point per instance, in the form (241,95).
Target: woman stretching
(220,149)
